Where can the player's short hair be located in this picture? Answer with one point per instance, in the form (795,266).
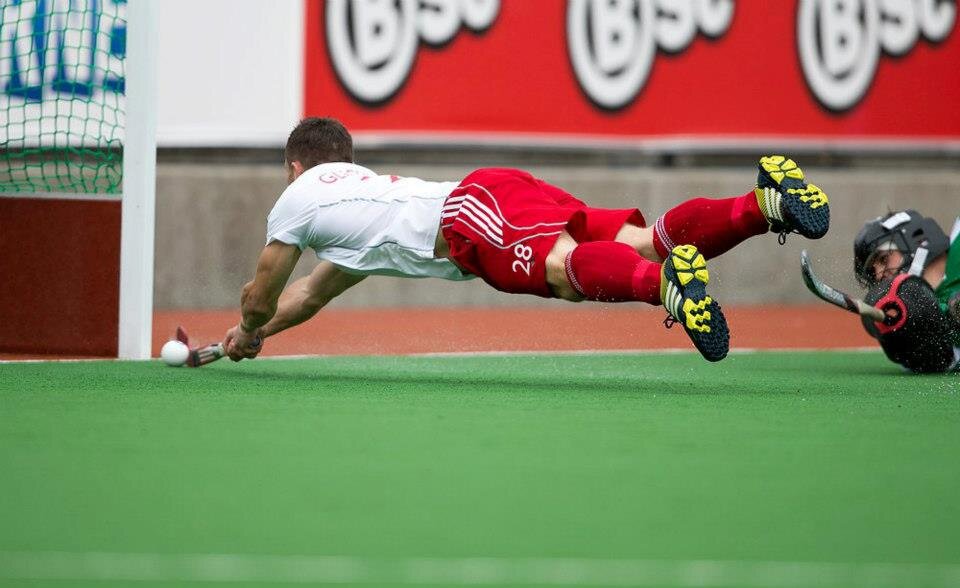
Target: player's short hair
(319,140)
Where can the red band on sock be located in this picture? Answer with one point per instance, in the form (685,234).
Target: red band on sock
(714,226)
(608,271)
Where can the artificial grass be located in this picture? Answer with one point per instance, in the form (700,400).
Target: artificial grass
(765,457)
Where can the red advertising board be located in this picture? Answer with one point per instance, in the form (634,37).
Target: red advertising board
(868,70)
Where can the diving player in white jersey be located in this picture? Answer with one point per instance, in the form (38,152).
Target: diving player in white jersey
(365,223)
(516,232)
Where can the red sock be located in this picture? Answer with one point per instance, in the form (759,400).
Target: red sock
(714,226)
(613,272)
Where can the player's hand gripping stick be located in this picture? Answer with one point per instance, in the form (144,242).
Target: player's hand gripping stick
(203,355)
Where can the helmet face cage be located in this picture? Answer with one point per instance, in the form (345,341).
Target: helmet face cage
(903,231)
(893,241)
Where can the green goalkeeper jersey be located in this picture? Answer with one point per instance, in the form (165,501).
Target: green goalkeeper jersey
(950,285)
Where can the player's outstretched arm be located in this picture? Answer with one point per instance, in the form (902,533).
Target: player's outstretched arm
(304,297)
(258,301)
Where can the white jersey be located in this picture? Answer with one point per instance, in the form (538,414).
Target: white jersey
(365,223)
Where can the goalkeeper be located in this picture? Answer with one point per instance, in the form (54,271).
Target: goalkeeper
(912,270)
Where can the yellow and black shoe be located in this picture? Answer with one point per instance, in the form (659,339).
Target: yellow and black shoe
(790,204)
(683,281)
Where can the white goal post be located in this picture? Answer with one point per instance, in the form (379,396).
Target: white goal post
(139,182)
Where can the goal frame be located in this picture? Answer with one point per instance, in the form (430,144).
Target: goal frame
(138,200)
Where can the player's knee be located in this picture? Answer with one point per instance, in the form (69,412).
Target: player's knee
(558,280)
(556,269)
(641,239)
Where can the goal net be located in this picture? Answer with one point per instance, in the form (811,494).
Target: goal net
(76,175)
(62,70)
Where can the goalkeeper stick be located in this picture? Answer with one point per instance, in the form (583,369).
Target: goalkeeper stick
(834,296)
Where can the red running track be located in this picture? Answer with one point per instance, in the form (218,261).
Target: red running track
(419,330)
(581,328)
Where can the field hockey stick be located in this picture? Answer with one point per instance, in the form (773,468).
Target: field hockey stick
(204,355)
(209,353)
(834,296)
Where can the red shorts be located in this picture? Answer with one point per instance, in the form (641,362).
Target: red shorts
(501,223)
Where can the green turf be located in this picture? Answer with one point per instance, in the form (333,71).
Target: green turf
(768,457)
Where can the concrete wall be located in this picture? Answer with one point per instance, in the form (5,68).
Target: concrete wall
(211,222)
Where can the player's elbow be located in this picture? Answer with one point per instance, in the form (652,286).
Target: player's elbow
(313,303)
(258,314)
(255,306)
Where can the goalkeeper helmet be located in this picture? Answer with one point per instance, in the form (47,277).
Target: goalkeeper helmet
(904,231)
